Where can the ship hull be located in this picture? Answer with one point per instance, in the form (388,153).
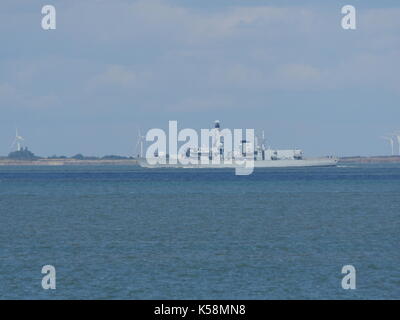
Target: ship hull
(310,162)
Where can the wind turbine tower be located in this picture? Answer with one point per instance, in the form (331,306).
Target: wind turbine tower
(391,143)
(397,135)
(17,141)
(140,143)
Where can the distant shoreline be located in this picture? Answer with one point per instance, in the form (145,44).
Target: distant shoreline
(66,162)
(374,159)
(94,162)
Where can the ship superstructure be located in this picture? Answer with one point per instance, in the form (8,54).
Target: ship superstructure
(219,155)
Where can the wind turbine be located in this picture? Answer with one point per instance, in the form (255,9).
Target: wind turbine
(17,141)
(140,143)
(397,135)
(391,142)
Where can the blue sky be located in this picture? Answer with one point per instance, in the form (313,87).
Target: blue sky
(112,67)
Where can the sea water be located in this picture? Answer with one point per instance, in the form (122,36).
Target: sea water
(124,232)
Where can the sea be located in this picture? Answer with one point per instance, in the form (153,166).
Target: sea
(125,232)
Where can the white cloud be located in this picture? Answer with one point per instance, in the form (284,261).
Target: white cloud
(114,76)
(155,46)
(302,75)
(209,103)
(6,91)
(11,98)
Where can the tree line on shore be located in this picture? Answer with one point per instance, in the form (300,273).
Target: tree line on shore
(26,154)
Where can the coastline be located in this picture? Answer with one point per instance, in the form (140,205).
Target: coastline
(373,159)
(66,162)
(94,162)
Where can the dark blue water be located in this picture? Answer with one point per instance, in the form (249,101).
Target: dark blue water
(133,233)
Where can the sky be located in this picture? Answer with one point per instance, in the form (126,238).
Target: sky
(113,67)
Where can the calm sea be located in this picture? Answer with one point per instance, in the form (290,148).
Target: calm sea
(133,233)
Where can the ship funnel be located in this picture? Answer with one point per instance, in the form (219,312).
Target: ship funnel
(217,124)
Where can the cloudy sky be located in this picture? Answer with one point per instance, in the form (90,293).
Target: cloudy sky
(112,67)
